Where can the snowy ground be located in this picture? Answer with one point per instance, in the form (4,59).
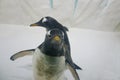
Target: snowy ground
(97,52)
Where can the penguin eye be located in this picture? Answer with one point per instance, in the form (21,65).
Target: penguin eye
(49,33)
(44,20)
(62,34)
(52,32)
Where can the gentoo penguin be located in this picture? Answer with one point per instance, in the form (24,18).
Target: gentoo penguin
(51,23)
(49,58)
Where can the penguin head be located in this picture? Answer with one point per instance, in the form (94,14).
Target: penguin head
(53,43)
(55,38)
(49,23)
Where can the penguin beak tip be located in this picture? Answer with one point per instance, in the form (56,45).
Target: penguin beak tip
(33,25)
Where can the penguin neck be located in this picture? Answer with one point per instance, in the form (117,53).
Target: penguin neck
(49,50)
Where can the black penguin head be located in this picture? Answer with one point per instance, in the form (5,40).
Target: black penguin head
(55,38)
(54,42)
(49,23)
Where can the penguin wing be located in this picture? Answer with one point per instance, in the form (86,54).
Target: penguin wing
(22,54)
(68,58)
(77,67)
(74,72)
(70,62)
(68,52)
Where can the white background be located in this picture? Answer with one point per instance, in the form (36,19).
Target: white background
(91,14)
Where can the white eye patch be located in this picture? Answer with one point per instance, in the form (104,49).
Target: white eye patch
(48,33)
(44,20)
(55,31)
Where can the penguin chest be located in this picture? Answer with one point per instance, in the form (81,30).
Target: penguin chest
(47,67)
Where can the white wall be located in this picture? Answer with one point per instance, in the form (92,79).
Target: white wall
(91,14)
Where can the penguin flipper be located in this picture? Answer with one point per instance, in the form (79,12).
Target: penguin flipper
(74,72)
(73,64)
(77,67)
(22,54)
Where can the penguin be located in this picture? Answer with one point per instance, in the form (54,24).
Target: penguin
(51,23)
(49,58)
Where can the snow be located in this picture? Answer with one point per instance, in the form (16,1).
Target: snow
(97,52)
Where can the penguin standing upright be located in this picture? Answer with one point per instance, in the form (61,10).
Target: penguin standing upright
(50,23)
(48,59)
(53,56)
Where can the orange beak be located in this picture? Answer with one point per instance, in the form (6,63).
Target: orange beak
(34,25)
(56,38)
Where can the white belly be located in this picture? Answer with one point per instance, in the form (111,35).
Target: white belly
(48,68)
